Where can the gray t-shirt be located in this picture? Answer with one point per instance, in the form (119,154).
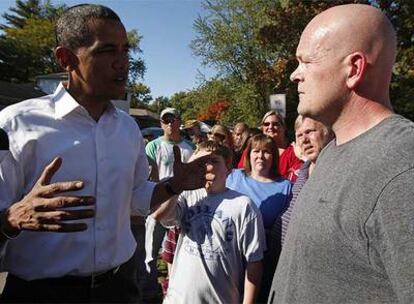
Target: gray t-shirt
(351,238)
(220,234)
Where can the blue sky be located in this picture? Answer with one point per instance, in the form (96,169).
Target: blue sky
(166,27)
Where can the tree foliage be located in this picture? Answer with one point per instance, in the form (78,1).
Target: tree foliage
(29,9)
(141,95)
(26,45)
(252,44)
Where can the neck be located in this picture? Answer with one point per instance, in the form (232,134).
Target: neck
(94,107)
(172,137)
(261,178)
(357,117)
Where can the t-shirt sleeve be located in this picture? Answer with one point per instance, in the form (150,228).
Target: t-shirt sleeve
(252,235)
(175,220)
(151,150)
(231,181)
(392,229)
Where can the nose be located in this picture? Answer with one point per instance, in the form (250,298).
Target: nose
(295,76)
(121,62)
(305,138)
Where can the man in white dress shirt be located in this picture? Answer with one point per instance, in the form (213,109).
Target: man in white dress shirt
(99,155)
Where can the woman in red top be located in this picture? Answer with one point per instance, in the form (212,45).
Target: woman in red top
(273,125)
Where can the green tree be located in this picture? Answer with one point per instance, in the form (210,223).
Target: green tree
(141,95)
(26,45)
(27,51)
(29,9)
(159,103)
(136,63)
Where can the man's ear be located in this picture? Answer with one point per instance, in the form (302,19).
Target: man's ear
(67,60)
(357,65)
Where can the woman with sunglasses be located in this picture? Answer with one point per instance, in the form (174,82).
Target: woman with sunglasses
(221,135)
(273,125)
(270,192)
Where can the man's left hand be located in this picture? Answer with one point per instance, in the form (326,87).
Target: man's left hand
(192,175)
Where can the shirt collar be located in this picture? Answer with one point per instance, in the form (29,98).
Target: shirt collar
(65,103)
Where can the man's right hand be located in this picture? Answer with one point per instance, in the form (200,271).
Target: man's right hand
(42,208)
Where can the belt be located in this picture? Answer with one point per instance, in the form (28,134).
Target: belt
(94,280)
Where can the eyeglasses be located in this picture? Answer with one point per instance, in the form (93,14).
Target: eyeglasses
(277,124)
(220,136)
(168,120)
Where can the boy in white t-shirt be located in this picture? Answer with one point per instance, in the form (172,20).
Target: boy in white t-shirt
(220,248)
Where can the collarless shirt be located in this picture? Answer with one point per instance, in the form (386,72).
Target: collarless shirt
(108,155)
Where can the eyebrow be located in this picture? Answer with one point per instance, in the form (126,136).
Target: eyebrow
(111,45)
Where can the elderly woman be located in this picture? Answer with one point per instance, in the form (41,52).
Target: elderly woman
(274,126)
(271,194)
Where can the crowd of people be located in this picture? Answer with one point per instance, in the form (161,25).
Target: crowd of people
(241,214)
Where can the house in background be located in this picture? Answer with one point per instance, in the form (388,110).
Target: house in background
(145,118)
(11,93)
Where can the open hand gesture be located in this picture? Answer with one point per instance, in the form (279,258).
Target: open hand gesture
(42,209)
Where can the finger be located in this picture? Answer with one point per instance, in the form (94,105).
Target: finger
(60,187)
(52,217)
(54,203)
(209,177)
(177,155)
(59,227)
(49,171)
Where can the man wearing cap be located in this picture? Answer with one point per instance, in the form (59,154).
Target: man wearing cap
(192,127)
(160,150)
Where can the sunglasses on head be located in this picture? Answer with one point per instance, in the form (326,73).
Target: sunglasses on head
(273,124)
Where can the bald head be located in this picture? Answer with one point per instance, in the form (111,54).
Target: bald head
(356,27)
(345,55)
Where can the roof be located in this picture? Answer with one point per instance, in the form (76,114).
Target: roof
(61,76)
(143,112)
(11,93)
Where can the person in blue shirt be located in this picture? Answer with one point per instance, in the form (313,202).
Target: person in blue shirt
(260,180)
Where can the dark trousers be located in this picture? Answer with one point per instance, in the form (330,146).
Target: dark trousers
(117,289)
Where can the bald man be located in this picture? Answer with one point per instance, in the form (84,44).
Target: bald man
(351,238)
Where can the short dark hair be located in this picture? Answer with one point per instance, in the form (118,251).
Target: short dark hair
(261,140)
(72,27)
(217,149)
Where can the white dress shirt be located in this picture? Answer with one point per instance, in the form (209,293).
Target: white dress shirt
(107,155)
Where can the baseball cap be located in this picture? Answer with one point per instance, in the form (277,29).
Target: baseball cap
(171,111)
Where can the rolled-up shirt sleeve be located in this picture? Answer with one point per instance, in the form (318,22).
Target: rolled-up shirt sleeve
(143,189)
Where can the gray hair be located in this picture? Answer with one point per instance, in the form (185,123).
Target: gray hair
(72,27)
(327,132)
